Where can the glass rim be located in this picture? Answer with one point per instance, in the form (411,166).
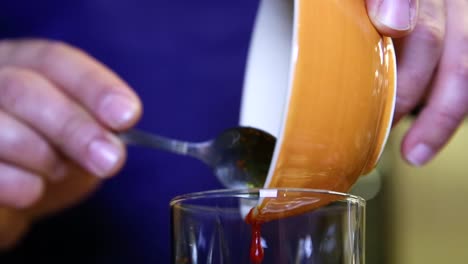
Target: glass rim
(241,193)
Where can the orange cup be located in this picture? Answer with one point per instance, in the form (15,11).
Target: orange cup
(322,80)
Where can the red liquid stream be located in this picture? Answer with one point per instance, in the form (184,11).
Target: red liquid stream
(272,209)
(256,249)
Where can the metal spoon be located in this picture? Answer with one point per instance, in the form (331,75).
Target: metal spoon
(240,157)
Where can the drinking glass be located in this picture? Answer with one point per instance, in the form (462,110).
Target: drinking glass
(211,227)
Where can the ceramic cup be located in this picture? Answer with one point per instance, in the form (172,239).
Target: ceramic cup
(322,80)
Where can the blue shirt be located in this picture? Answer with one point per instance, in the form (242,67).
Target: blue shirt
(186,60)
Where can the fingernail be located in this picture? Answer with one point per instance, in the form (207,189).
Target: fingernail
(118,110)
(104,157)
(420,154)
(397,14)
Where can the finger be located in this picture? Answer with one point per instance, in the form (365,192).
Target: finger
(23,147)
(36,102)
(19,188)
(448,103)
(84,79)
(418,56)
(394,18)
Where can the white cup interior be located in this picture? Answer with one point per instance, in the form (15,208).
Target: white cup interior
(268,67)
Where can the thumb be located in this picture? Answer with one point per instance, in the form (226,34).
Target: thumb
(393,18)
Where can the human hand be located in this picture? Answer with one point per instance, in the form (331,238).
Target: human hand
(432,68)
(59,109)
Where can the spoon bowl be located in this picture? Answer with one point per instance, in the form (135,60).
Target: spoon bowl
(240,157)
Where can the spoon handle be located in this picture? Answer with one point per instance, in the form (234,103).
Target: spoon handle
(145,139)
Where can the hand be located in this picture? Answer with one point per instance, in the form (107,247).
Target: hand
(58,111)
(432,63)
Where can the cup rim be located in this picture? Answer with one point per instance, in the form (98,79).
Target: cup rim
(262,192)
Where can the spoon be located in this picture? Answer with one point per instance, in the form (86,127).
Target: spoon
(240,157)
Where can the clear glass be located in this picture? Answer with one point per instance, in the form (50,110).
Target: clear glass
(211,227)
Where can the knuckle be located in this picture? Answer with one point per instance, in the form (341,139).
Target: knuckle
(35,154)
(430,32)
(74,134)
(448,118)
(13,87)
(41,149)
(17,140)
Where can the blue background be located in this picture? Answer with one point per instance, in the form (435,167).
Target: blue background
(186,60)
